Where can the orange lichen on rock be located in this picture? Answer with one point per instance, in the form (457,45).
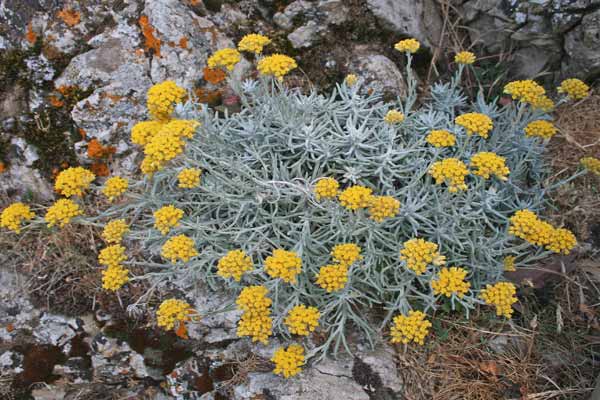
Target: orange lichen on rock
(30,35)
(100,169)
(152,42)
(214,76)
(69,16)
(183,42)
(97,150)
(55,101)
(211,97)
(2,167)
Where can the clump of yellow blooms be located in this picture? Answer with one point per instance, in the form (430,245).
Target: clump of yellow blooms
(451,171)
(253,298)
(172,311)
(277,65)
(526,225)
(326,188)
(144,131)
(114,187)
(419,253)
(256,320)
(73,181)
(393,117)
(509,264)
(189,178)
(574,88)
(13,215)
(346,254)
(451,281)
(162,98)
(283,264)
(166,218)
(411,328)
(382,207)
(234,264)
(333,277)
(408,45)
(502,295)
(182,128)
(562,241)
(179,247)
(487,163)
(114,231)
(529,92)
(61,213)
(477,123)
(114,277)
(163,147)
(441,138)
(112,256)
(253,43)
(224,58)
(356,197)
(351,79)
(591,164)
(288,361)
(540,128)
(302,320)
(464,57)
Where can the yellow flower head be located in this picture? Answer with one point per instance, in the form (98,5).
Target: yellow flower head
(411,328)
(464,57)
(486,163)
(562,241)
(277,65)
(526,225)
(351,80)
(333,277)
(256,320)
(451,281)
(541,128)
(173,311)
(73,181)
(382,207)
(182,128)
(408,45)
(283,264)
(150,166)
(419,253)
(475,123)
(112,256)
(13,215)
(575,89)
(162,98)
(114,231)
(393,117)
(441,138)
(114,277)
(179,247)
(144,131)
(114,187)
(451,171)
(591,164)
(502,295)
(253,43)
(61,212)
(253,300)
(234,264)
(224,58)
(189,178)
(288,361)
(302,320)
(163,147)
(326,188)
(356,197)
(346,254)
(509,263)
(529,92)
(166,218)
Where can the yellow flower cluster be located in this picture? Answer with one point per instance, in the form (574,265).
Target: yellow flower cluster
(253,43)
(112,256)
(351,80)
(277,65)
(526,225)
(382,207)
(114,231)
(411,328)
(182,128)
(256,320)
(408,45)
(189,178)
(487,163)
(451,171)
(451,281)
(179,247)
(346,254)
(326,188)
(288,361)
(73,181)
(477,123)
(591,164)
(509,263)
(333,277)
(356,197)
(283,264)
(393,117)
(114,277)
(464,57)
(173,311)
(234,264)
(540,128)
(144,131)
(166,218)
(150,166)
(13,215)
(441,138)
(162,98)
(419,253)
(224,58)
(502,295)
(562,241)
(302,320)
(529,92)
(163,147)
(61,213)
(574,88)
(114,187)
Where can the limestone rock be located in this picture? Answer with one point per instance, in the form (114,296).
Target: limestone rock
(379,72)
(582,46)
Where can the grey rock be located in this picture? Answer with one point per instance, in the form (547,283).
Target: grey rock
(383,363)
(582,46)
(53,392)
(378,72)
(306,35)
(285,19)
(56,330)
(529,62)
(335,11)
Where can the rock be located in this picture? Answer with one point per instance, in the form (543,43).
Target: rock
(113,360)
(380,364)
(582,46)
(285,19)
(379,72)
(75,370)
(56,330)
(306,35)
(529,62)
(49,393)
